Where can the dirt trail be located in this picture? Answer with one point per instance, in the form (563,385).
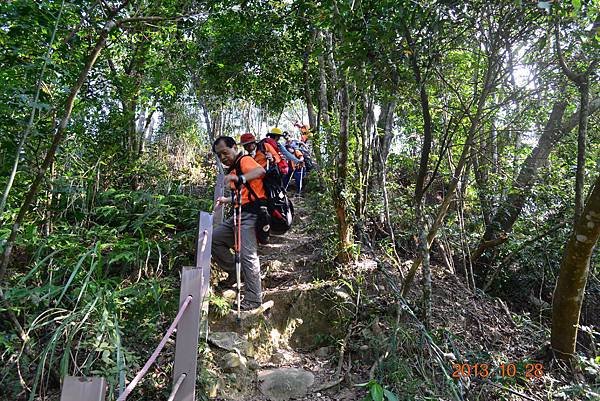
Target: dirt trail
(291,334)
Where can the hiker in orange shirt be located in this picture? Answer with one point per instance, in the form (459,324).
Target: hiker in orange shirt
(252,197)
(262,152)
(296,169)
(304,134)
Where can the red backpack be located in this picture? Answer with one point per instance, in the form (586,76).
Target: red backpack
(283,164)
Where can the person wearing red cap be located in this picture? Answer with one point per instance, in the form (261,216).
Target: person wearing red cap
(261,154)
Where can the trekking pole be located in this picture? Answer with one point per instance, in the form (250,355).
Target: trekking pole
(237,231)
(301,176)
(288,183)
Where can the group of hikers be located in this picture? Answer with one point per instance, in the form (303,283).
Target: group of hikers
(290,155)
(258,181)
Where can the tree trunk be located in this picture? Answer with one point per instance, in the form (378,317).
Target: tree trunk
(383,141)
(582,81)
(584,92)
(13,172)
(58,137)
(339,200)
(145,132)
(312,117)
(423,248)
(363,152)
(420,186)
(509,210)
(330,61)
(461,166)
(209,131)
(323,120)
(572,278)
(323,101)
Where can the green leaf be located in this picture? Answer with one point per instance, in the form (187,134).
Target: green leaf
(577,5)
(377,392)
(73,274)
(389,395)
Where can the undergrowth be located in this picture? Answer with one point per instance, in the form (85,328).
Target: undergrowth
(98,292)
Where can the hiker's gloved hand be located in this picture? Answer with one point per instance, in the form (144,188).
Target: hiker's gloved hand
(269,156)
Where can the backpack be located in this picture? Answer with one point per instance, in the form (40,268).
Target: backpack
(280,208)
(308,161)
(282,165)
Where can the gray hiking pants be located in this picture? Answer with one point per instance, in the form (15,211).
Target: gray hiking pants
(222,244)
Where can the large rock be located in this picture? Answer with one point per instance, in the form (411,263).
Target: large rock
(233,360)
(231,341)
(306,313)
(285,383)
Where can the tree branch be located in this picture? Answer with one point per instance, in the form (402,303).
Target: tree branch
(576,78)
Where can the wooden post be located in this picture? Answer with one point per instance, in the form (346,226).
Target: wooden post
(186,346)
(194,282)
(203,248)
(219,191)
(83,389)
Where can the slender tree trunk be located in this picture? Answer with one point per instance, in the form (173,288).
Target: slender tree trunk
(572,277)
(383,141)
(388,219)
(508,212)
(339,199)
(323,101)
(58,137)
(13,172)
(145,132)
(209,131)
(421,220)
(461,166)
(323,120)
(423,251)
(312,116)
(584,91)
(367,158)
(582,81)
(330,61)
(363,155)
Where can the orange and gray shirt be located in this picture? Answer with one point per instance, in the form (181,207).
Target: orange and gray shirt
(246,164)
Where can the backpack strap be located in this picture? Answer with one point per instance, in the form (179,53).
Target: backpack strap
(260,145)
(238,171)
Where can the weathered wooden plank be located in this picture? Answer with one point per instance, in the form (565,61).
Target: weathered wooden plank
(186,348)
(83,389)
(219,191)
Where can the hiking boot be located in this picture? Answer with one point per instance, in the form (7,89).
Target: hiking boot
(248,306)
(224,285)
